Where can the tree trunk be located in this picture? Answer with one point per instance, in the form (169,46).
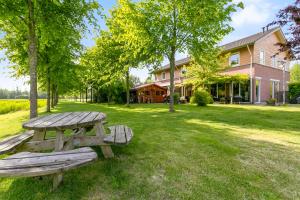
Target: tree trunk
(172,69)
(86,94)
(56,96)
(91,94)
(52,96)
(127,89)
(48,93)
(32,54)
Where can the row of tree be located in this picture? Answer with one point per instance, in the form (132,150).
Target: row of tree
(42,39)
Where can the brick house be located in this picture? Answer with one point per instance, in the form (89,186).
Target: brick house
(256,56)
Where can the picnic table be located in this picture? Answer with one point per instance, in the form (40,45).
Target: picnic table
(70,132)
(77,122)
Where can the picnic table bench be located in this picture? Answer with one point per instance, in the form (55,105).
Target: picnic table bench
(64,157)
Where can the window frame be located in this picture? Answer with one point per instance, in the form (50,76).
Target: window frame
(274,62)
(163,76)
(264,57)
(239,60)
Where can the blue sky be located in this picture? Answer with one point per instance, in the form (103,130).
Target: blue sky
(257,13)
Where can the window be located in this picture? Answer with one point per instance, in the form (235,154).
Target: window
(274,61)
(163,76)
(236,89)
(157,93)
(274,88)
(262,57)
(234,60)
(183,71)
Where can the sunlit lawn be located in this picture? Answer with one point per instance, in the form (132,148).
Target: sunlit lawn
(216,152)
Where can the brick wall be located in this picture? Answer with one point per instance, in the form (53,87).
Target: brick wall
(266,74)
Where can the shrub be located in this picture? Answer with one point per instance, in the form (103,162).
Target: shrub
(271,102)
(201,98)
(294,92)
(176,97)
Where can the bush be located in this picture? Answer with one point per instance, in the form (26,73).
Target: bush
(294,92)
(176,97)
(271,102)
(201,98)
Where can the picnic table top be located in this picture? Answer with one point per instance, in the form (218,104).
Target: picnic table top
(63,121)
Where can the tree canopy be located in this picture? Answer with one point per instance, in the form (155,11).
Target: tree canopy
(42,38)
(290,17)
(295,73)
(175,26)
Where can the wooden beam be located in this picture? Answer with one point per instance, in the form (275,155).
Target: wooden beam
(78,141)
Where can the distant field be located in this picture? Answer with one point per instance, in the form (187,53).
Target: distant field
(13,105)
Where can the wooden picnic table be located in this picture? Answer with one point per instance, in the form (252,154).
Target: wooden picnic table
(77,122)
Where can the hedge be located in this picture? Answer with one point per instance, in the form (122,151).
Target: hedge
(294,92)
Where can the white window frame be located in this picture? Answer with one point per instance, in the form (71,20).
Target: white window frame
(274,61)
(163,75)
(239,63)
(273,87)
(262,61)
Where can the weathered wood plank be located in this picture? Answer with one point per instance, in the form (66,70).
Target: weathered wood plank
(13,142)
(78,118)
(62,121)
(37,121)
(59,141)
(38,164)
(66,119)
(47,123)
(120,134)
(90,117)
(78,141)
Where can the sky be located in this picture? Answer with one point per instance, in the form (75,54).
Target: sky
(250,20)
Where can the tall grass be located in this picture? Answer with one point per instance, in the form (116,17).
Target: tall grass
(12,105)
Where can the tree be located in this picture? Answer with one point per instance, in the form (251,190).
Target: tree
(295,73)
(290,17)
(205,68)
(52,32)
(175,26)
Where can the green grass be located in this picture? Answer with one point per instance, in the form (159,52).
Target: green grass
(215,152)
(12,105)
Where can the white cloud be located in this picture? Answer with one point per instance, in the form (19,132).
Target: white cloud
(256,12)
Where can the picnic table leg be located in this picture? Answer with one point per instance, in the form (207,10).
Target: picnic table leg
(38,135)
(106,149)
(59,145)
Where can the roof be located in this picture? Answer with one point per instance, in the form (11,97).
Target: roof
(177,63)
(230,46)
(247,40)
(146,85)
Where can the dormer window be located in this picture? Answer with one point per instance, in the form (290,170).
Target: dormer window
(163,76)
(234,60)
(262,57)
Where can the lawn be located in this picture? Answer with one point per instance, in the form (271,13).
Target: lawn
(215,152)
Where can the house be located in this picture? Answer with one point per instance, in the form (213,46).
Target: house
(256,56)
(148,93)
